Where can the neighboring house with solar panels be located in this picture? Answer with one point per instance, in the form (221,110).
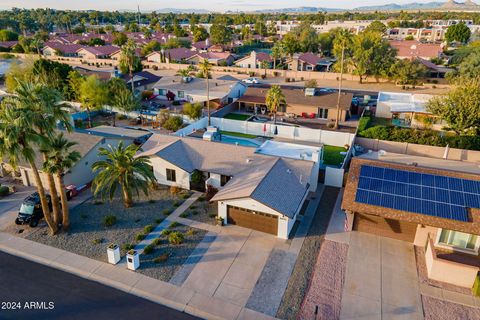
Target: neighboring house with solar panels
(256,191)
(431,203)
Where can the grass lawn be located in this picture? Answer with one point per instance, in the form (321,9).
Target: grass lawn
(332,156)
(237,116)
(238,134)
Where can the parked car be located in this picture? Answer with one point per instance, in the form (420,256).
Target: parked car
(31,210)
(252,80)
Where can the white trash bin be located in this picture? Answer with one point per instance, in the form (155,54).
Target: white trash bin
(133,260)
(113,253)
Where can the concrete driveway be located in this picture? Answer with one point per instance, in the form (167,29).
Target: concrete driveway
(231,266)
(381,280)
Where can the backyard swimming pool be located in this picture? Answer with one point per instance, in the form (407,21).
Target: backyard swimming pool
(240,141)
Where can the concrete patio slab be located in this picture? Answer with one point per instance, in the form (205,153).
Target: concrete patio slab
(357,307)
(249,314)
(212,308)
(233,294)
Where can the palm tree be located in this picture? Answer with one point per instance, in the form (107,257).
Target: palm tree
(205,68)
(278,52)
(17,136)
(122,169)
(185,72)
(60,158)
(126,101)
(274,99)
(127,59)
(265,65)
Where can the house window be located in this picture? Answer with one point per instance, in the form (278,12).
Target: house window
(181,94)
(282,108)
(162,92)
(459,241)
(171,176)
(224,180)
(322,113)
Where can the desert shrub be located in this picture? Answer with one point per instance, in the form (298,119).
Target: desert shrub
(161,258)
(194,212)
(176,204)
(4,191)
(174,190)
(173,225)
(166,212)
(175,238)
(184,215)
(97,241)
(109,220)
(193,207)
(127,246)
(151,201)
(201,198)
(148,228)
(158,220)
(190,232)
(165,232)
(140,237)
(185,196)
(173,123)
(157,241)
(148,249)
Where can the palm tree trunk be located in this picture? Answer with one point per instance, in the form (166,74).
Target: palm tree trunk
(89,118)
(208,100)
(55,202)
(43,199)
(131,79)
(127,197)
(63,198)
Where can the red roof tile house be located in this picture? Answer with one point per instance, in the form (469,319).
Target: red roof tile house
(175,55)
(413,49)
(7,45)
(53,48)
(431,203)
(215,58)
(100,52)
(304,62)
(254,60)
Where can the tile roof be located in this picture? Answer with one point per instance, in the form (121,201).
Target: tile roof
(310,58)
(64,48)
(106,50)
(263,178)
(178,54)
(296,96)
(142,78)
(412,48)
(8,44)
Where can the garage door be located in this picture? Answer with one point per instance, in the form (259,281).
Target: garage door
(401,230)
(260,221)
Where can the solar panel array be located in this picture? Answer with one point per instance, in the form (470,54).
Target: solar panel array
(433,195)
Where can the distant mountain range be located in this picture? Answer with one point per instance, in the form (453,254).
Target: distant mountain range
(408,6)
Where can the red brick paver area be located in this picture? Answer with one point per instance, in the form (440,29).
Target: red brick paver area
(326,287)
(435,309)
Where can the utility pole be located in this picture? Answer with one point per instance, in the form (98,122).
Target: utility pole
(340,85)
(138,10)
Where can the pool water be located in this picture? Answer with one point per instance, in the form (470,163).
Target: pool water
(240,141)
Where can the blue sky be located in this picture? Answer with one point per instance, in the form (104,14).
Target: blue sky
(243,5)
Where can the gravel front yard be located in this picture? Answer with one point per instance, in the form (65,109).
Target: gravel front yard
(88,236)
(325,290)
(166,259)
(202,211)
(303,270)
(435,309)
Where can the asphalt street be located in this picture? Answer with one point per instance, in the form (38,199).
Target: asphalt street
(33,291)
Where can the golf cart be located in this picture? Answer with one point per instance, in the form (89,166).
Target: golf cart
(31,210)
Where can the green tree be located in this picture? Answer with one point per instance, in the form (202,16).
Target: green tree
(205,69)
(274,99)
(129,61)
(150,47)
(470,66)
(290,44)
(8,35)
(460,108)
(193,110)
(265,65)
(173,123)
(119,38)
(407,72)
(18,136)
(122,169)
(261,28)
(59,159)
(126,101)
(93,95)
(19,72)
(458,32)
(278,52)
(220,34)
(200,34)
(376,26)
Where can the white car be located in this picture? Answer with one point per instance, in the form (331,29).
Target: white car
(251,80)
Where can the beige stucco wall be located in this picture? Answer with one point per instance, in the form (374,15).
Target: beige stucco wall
(448,271)
(160,167)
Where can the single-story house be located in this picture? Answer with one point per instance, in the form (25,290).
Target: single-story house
(299,102)
(215,58)
(407,110)
(102,74)
(53,49)
(307,61)
(201,46)
(256,191)
(254,60)
(128,135)
(142,80)
(175,55)
(100,52)
(409,49)
(7,45)
(116,55)
(433,70)
(195,89)
(431,203)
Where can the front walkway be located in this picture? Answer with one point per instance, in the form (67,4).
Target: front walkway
(381,280)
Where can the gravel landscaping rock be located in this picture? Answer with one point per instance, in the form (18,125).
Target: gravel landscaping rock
(172,257)
(89,237)
(201,211)
(435,309)
(326,287)
(304,266)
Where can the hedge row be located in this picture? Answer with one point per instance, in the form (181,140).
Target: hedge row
(424,137)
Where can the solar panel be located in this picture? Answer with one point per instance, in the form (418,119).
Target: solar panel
(429,194)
